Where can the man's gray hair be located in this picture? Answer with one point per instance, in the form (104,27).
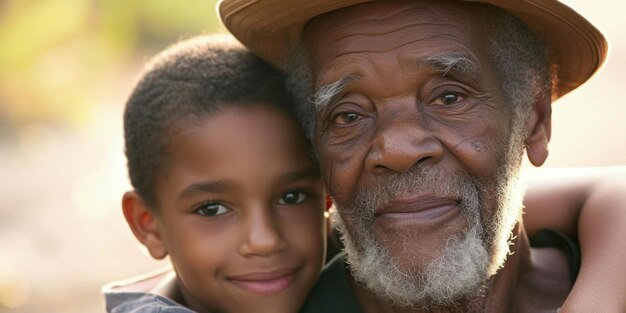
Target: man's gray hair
(324,95)
(521,61)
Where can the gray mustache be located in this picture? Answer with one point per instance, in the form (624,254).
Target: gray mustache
(419,178)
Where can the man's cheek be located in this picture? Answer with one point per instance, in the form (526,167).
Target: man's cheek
(478,150)
(341,167)
(338,178)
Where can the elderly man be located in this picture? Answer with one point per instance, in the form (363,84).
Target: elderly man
(421,113)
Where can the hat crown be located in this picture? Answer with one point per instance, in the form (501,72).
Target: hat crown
(271,28)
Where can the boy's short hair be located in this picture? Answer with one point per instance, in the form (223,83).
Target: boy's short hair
(182,84)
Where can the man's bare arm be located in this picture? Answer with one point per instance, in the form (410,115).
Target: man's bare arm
(588,203)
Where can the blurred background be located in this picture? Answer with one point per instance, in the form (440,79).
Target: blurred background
(66,67)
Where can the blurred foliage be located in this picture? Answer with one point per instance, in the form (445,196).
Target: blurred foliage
(60,58)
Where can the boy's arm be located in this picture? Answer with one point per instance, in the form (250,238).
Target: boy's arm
(589,204)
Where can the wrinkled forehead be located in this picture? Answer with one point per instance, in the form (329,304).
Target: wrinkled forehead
(413,29)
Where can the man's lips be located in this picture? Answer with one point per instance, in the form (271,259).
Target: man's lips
(265,282)
(425,208)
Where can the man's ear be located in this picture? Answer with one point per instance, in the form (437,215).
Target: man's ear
(143,223)
(539,129)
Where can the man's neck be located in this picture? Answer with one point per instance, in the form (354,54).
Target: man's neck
(503,291)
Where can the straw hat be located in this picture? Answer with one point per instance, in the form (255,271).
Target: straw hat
(271,27)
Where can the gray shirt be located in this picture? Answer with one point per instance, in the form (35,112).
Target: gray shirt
(141,302)
(153,293)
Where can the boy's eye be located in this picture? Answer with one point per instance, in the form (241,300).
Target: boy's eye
(292,197)
(211,209)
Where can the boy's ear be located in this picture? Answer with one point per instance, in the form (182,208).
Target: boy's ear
(539,129)
(143,224)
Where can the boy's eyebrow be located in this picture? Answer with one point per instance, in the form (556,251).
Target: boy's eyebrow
(298,175)
(216,186)
(206,187)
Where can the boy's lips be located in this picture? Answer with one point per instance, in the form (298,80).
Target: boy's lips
(265,282)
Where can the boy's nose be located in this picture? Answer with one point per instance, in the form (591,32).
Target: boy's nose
(263,236)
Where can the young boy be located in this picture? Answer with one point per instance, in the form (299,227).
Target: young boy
(225,184)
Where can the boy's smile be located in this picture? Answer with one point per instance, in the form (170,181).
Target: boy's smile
(265,282)
(241,211)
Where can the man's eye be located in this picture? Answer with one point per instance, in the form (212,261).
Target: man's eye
(292,197)
(211,209)
(448,98)
(346,118)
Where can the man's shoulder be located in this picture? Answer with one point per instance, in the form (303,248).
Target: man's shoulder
(552,272)
(332,292)
(550,238)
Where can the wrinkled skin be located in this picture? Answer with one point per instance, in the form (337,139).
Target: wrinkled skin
(398,112)
(399,109)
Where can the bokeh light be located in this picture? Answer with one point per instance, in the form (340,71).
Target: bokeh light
(66,67)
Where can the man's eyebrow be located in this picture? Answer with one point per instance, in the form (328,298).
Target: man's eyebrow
(455,64)
(324,94)
(206,187)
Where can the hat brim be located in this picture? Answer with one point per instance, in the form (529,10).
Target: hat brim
(271,28)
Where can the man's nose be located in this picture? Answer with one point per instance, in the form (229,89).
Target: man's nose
(262,234)
(400,143)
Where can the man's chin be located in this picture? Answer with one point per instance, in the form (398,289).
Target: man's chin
(409,275)
(414,242)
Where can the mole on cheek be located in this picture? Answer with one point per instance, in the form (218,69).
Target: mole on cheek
(478,146)
(470,145)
